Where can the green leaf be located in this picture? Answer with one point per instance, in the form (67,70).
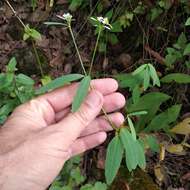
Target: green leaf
(11,67)
(97,186)
(128,143)
(136,93)
(128,80)
(75,4)
(187,49)
(149,102)
(177,77)
(113,159)
(140,155)
(162,120)
(109,14)
(155,13)
(153,143)
(87,187)
(116,27)
(146,82)
(35,34)
(6,81)
(139,69)
(25,80)
(3,119)
(181,42)
(154,75)
(132,128)
(59,82)
(8,107)
(77,176)
(46,80)
(81,93)
(100,186)
(24,93)
(31,32)
(26,36)
(187,23)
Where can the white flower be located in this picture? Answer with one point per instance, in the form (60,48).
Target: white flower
(103,21)
(66,16)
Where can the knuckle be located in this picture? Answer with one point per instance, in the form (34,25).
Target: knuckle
(82,116)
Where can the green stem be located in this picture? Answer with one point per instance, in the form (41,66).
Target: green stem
(38,59)
(76,47)
(109,120)
(95,49)
(82,65)
(107,117)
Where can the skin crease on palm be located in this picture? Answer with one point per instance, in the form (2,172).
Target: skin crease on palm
(42,134)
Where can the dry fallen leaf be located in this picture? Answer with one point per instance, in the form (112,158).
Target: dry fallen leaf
(158,171)
(182,128)
(176,149)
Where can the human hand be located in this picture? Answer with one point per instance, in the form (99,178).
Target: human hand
(42,134)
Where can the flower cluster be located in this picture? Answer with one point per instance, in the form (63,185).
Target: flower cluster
(67,17)
(102,21)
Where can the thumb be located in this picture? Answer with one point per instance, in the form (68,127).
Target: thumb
(74,123)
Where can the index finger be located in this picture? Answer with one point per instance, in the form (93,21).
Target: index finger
(61,98)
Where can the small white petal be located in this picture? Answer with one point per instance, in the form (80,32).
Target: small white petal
(92,18)
(60,17)
(107,27)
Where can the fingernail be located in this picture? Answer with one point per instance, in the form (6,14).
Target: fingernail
(94,98)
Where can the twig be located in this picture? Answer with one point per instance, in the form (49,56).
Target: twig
(155,54)
(15,13)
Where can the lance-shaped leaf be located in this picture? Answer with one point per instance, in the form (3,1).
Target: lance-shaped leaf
(176,77)
(24,79)
(140,69)
(113,159)
(140,155)
(11,67)
(132,128)
(58,82)
(154,75)
(164,119)
(81,93)
(130,153)
(146,82)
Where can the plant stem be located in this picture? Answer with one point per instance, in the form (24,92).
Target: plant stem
(95,49)
(82,65)
(76,47)
(109,120)
(37,58)
(107,117)
(51,3)
(15,13)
